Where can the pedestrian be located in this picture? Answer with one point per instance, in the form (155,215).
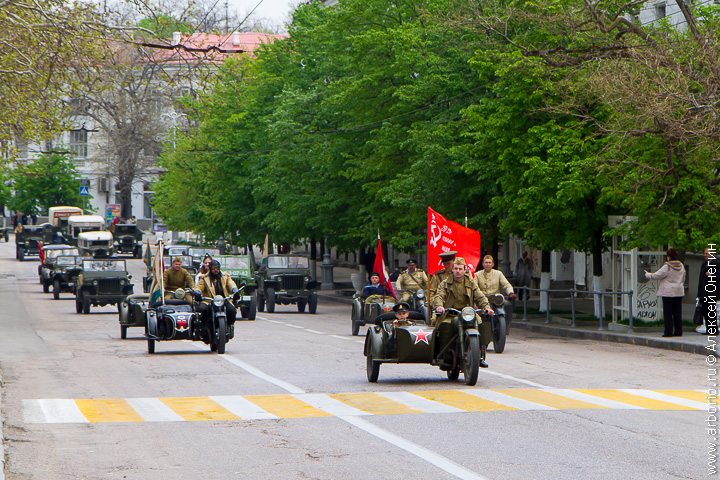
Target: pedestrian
(671,289)
(33,219)
(703,300)
(523,275)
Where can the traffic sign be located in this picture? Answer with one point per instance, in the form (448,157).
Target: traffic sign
(84,182)
(84,190)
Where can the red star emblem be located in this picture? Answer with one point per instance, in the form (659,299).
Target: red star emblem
(421,336)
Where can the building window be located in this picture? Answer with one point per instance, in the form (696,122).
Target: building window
(78,143)
(660,11)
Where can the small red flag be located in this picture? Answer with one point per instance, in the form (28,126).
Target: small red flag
(380,268)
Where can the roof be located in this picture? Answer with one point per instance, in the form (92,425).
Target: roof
(211,46)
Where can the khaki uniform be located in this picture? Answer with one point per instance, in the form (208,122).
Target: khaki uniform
(207,287)
(493,282)
(410,283)
(172,280)
(458,295)
(435,280)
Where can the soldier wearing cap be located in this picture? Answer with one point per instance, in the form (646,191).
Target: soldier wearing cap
(176,277)
(460,291)
(411,280)
(437,277)
(402,312)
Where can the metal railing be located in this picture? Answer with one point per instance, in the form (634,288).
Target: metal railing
(572,296)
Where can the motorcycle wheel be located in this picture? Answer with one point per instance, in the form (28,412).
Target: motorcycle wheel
(85,305)
(270,300)
(471,362)
(56,289)
(355,328)
(123,332)
(260,302)
(312,303)
(454,373)
(301,306)
(499,333)
(252,309)
(221,334)
(78,304)
(373,369)
(151,345)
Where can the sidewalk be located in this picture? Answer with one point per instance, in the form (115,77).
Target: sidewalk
(559,324)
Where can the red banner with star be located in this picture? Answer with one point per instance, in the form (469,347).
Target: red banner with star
(445,235)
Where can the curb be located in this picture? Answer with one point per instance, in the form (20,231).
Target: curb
(615,337)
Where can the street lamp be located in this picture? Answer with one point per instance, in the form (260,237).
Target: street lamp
(173,116)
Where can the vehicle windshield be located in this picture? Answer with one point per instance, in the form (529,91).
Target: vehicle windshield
(125,229)
(200,251)
(186,261)
(288,262)
(68,260)
(176,251)
(104,265)
(64,251)
(236,263)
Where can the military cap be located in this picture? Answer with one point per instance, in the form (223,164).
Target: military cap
(448,256)
(401,307)
(459,261)
(374,274)
(411,261)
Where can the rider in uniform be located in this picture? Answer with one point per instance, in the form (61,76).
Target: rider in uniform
(491,281)
(411,280)
(177,277)
(460,291)
(437,278)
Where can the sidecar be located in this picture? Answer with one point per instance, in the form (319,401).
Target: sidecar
(385,343)
(362,310)
(133,312)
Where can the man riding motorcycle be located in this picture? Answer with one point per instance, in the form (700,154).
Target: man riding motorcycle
(177,277)
(491,281)
(411,280)
(215,283)
(458,292)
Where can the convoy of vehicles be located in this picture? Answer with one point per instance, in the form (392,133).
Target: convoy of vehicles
(286,279)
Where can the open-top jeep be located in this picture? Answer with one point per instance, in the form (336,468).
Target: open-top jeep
(102,282)
(29,238)
(65,274)
(286,279)
(128,239)
(241,269)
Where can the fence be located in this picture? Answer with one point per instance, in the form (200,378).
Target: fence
(572,296)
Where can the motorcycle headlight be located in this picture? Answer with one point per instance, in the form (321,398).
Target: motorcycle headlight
(218,301)
(468,314)
(179,294)
(420,294)
(497,299)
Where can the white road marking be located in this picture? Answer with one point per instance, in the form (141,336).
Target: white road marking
(242,408)
(507,400)
(514,379)
(429,456)
(584,397)
(59,410)
(420,403)
(330,405)
(153,410)
(315,331)
(341,338)
(666,398)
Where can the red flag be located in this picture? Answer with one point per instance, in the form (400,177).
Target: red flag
(445,235)
(381,269)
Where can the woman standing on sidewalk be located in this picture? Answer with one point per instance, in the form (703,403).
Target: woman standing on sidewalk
(672,290)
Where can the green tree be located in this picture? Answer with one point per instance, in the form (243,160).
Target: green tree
(52,179)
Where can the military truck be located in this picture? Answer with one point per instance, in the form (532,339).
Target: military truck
(286,279)
(102,282)
(128,239)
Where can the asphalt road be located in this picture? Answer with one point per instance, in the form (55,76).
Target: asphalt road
(290,400)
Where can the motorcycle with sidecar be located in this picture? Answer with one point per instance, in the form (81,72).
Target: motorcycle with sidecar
(453,346)
(366,309)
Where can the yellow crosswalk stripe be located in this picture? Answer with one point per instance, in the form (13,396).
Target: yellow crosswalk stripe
(701,397)
(624,397)
(462,400)
(373,403)
(548,399)
(107,410)
(285,406)
(197,409)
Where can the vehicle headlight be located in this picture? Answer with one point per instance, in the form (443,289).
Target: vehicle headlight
(179,294)
(218,301)
(420,293)
(96,283)
(497,299)
(307,279)
(122,282)
(468,314)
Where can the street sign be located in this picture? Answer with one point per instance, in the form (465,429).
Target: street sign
(85,182)
(84,190)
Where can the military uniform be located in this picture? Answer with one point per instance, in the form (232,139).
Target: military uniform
(409,283)
(493,282)
(435,280)
(174,279)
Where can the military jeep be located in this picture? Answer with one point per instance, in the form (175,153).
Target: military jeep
(241,269)
(286,279)
(30,237)
(102,282)
(65,274)
(128,239)
(5,229)
(49,257)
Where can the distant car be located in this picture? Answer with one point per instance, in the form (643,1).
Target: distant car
(128,239)
(241,269)
(50,254)
(65,274)
(102,282)
(97,244)
(29,239)
(286,279)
